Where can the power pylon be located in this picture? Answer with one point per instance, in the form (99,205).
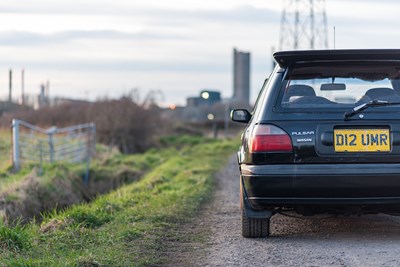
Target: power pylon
(303,25)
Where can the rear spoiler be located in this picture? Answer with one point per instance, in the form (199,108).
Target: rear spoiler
(286,58)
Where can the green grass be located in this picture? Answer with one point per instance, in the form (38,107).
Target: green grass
(126,227)
(13,238)
(61,184)
(6,150)
(5,159)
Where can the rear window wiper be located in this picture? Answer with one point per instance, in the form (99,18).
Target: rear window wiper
(374,103)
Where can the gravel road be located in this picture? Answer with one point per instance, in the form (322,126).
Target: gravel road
(372,240)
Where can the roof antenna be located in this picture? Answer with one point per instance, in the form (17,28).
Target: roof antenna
(334,37)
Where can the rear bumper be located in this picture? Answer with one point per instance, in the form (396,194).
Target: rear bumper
(321,184)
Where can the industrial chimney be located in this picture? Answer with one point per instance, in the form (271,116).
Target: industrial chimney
(22,87)
(10,86)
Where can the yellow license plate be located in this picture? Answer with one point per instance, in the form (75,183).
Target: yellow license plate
(362,140)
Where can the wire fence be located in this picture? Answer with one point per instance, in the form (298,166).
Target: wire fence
(34,145)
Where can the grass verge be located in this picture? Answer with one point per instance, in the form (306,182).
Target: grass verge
(25,195)
(125,227)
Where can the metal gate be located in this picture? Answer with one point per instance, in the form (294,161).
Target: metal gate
(32,144)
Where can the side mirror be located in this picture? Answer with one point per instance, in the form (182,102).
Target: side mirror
(240,115)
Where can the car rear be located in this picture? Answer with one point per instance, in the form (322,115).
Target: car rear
(325,135)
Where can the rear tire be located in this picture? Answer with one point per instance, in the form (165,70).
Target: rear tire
(254,227)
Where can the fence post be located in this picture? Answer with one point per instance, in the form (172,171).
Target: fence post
(40,158)
(89,144)
(93,145)
(87,171)
(51,148)
(15,132)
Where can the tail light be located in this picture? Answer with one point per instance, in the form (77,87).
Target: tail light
(266,138)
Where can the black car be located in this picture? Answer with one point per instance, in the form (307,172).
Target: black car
(324,137)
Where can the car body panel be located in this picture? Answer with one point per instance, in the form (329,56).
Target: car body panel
(322,180)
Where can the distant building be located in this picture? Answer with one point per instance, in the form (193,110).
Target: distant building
(241,76)
(43,97)
(206,98)
(57,101)
(199,107)
(210,97)
(193,101)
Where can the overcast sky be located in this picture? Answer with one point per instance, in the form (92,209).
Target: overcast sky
(96,48)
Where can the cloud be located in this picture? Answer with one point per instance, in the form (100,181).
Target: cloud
(137,66)
(25,38)
(60,7)
(246,14)
(242,13)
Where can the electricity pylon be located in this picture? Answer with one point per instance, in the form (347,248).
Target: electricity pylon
(303,25)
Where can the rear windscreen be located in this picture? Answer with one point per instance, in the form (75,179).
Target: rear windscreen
(336,85)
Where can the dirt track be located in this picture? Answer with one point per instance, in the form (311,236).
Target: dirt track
(372,240)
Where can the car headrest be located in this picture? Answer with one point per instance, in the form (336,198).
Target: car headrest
(298,90)
(376,93)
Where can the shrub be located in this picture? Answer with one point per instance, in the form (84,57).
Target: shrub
(126,123)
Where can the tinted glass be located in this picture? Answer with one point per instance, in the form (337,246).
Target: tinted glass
(334,85)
